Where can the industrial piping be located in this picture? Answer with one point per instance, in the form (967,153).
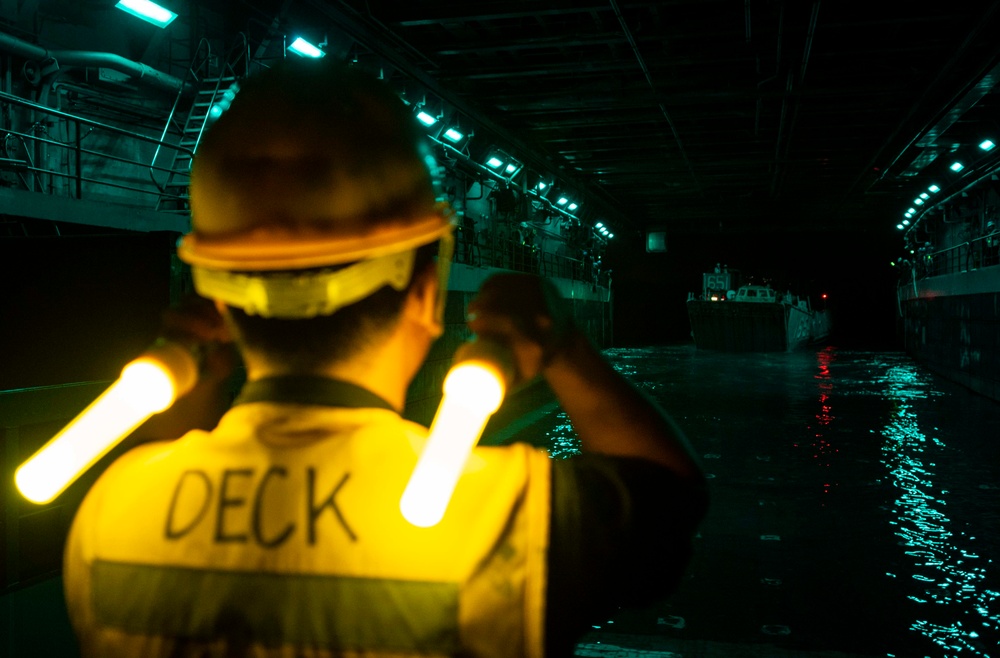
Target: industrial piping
(141,72)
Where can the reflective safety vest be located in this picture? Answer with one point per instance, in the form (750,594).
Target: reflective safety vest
(279,534)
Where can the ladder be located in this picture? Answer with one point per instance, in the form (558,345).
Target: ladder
(208,103)
(214,92)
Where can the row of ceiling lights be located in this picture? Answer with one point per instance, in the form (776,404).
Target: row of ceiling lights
(957,166)
(504,166)
(497,162)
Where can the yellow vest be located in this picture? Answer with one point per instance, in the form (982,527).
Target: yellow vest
(279,534)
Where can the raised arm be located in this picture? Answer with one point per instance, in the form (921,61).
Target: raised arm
(609,414)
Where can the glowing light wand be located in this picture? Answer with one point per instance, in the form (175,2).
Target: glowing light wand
(473,390)
(147,385)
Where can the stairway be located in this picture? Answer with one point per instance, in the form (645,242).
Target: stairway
(212,98)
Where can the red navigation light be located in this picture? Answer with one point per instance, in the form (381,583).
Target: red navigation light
(824,295)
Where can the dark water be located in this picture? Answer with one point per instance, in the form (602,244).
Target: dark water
(855,502)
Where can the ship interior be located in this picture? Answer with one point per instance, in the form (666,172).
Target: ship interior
(624,146)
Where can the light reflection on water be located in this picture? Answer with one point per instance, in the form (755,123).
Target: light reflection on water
(910,460)
(948,571)
(562,441)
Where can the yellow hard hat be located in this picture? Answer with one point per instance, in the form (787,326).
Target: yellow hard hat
(315,164)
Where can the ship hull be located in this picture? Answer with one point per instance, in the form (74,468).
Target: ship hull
(951,324)
(749,327)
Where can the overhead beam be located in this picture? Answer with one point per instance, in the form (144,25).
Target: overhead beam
(533,155)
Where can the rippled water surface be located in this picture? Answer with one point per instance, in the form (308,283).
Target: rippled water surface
(855,502)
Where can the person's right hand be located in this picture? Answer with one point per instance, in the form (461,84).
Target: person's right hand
(526,313)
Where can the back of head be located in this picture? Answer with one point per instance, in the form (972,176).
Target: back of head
(315,168)
(314,147)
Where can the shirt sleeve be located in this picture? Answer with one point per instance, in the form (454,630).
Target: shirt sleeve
(621,531)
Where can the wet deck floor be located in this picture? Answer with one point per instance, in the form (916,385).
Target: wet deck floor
(854,512)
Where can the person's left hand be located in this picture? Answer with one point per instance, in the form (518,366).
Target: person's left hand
(197,324)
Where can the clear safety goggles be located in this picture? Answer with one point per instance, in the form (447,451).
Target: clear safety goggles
(310,293)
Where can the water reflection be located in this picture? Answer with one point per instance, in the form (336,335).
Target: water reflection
(823,450)
(561,440)
(900,452)
(954,606)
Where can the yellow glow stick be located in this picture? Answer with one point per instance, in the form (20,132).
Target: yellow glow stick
(473,390)
(147,385)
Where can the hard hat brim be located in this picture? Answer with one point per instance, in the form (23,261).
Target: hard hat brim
(280,248)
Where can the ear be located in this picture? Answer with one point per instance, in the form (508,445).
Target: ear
(421,306)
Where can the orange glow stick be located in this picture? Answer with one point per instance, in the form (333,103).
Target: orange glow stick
(147,385)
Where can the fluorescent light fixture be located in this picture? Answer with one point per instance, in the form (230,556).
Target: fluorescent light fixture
(148,11)
(906,222)
(599,225)
(494,162)
(541,185)
(912,210)
(918,201)
(908,215)
(512,168)
(900,226)
(453,135)
(934,188)
(957,166)
(303,48)
(986,145)
(924,195)
(572,206)
(426,119)
(611,235)
(562,201)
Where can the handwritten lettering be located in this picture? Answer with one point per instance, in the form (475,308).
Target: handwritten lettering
(258,505)
(172,532)
(253,509)
(331,502)
(221,536)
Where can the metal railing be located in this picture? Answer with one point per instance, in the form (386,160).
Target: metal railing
(129,175)
(980,252)
(496,249)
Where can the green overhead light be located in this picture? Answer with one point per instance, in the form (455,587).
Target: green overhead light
(918,201)
(912,210)
(426,119)
(148,11)
(494,162)
(611,235)
(900,227)
(453,135)
(986,145)
(572,206)
(924,195)
(957,166)
(906,222)
(303,48)
(934,188)
(541,185)
(562,201)
(512,168)
(599,225)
